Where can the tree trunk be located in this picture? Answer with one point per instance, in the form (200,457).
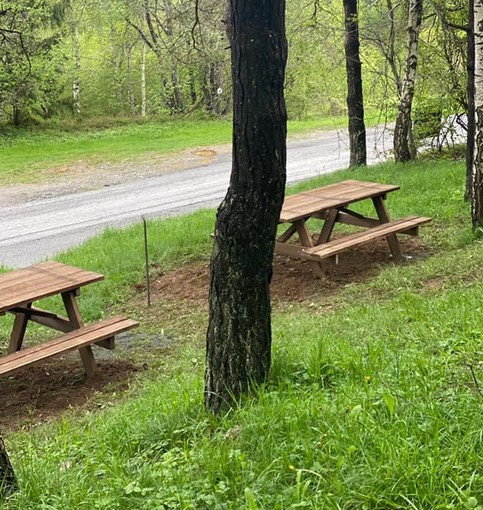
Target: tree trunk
(8,482)
(470,93)
(143,79)
(404,149)
(76,55)
(238,342)
(391,52)
(130,82)
(477,174)
(177,102)
(355,102)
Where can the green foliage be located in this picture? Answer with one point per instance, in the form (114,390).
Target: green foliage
(31,60)
(99,47)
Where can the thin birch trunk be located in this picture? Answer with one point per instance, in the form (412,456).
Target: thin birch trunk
(77,63)
(470,93)
(130,87)
(477,174)
(143,80)
(404,149)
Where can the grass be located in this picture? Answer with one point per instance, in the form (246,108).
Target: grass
(374,403)
(28,153)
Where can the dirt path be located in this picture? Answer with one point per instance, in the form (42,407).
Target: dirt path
(84,176)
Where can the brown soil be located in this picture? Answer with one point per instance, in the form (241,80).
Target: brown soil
(292,279)
(46,390)
(43,391)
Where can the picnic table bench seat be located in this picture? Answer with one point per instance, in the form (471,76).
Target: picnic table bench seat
(101,333)
(332,248)
(333,205)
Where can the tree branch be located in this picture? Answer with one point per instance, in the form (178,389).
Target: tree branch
(140,32)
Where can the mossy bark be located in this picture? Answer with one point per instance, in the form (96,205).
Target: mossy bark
(238,342)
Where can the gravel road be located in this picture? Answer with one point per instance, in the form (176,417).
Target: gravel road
(39,220)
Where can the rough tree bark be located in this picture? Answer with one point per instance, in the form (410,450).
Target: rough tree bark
(8,482)
(404,149)
(477,174)
(355,102)
(470,93)
(238,342)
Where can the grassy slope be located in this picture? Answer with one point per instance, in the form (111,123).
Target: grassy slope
(371,403)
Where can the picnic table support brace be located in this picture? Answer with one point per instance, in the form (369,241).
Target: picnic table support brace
(287,234)
(73,312)
(383,215)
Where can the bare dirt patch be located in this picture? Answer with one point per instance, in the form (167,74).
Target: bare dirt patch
(292,279)
(43,391)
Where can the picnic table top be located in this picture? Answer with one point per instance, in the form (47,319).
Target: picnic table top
(26,285)
(333,196)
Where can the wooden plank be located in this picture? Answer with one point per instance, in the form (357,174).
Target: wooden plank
(349,219)
(287,234)
(71,341)
(26,279)
(331,248)
(383,215)
(308,203)
(18,333)
(290,250)
(58,340)
(75,318)
(39,280)
(27,273)
(23,286)
(306,240)
(328,227)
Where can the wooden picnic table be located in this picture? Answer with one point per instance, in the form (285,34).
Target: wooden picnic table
(332,204)
(20,288)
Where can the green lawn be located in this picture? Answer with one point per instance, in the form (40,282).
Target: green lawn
(373,402)
(26,152)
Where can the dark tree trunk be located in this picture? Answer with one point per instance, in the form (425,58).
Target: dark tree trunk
(404,149)
(355,102)
(470,92)
(238,340)
(8,482)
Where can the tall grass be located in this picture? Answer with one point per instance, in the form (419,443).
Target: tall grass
(372,403)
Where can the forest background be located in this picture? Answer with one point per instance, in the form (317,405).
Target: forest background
(79,59)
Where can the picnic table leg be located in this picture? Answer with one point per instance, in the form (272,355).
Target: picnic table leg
(75,317)
(306,241)
(18,331)
(383,215)
(328,227)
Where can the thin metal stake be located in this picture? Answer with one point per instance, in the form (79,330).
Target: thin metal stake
(146,253)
